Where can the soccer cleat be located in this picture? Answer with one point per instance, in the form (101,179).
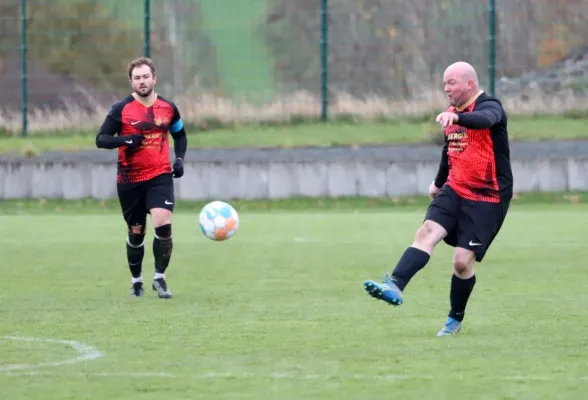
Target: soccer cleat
(386,291)
(451,327)
(160,286)
(137,289)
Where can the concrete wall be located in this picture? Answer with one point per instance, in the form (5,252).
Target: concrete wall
(276,173)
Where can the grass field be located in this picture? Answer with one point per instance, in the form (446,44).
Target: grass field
(314,135)
(279,310)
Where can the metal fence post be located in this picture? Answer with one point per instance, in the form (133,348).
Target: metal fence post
(147,29)
(23,66)
(492,48)
(324,59)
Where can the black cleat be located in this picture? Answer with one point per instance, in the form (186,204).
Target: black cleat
(137,289)
(160,286)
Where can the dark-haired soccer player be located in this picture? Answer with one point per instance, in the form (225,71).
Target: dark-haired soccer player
(142,121)
(471,194)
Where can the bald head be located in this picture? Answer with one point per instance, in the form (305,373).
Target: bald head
(462,69)
(461,83)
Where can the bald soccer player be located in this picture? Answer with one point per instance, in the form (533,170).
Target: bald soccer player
(471,194)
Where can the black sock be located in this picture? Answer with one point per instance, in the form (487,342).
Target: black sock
(411,262)
(459,295)
(162,247)
(135,253)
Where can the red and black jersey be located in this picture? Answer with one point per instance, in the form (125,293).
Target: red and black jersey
(476,156)
(152,158)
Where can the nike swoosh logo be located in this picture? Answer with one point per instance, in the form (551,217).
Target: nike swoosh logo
(129,141)
(471,243)
(168,202)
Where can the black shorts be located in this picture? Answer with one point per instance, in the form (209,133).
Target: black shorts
(137,199)
(470,224)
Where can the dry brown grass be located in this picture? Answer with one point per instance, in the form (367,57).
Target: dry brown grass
(207,110)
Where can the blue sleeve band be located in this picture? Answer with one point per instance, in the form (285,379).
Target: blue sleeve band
(177,126)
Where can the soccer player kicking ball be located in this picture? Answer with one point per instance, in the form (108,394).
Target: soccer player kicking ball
(144,174)
(471,194)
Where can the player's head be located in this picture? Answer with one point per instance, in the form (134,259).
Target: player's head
(141,73)
(461,83)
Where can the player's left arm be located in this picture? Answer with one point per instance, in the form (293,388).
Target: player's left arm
(178,133)
(486,116)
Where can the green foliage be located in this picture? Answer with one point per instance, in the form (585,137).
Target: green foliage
(186,56)
(292,34)
(80,38)
(400,48)
(383,47)
(9,26)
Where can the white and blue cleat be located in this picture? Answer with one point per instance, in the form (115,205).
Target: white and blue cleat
(451,327)
(386,291)
(390,293)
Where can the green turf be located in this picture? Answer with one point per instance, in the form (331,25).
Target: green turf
(323,204)
(233,28)
(313,135)
(279,310)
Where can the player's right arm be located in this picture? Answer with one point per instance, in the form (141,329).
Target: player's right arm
(112,125)
(488,114)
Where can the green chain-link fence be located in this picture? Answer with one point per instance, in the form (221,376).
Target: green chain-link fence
(63,62)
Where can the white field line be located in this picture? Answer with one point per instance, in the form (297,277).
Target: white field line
(84,352)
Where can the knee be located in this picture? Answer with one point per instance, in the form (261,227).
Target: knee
(136,236)
(136,240)
(460,267)
(463,263)
(163,231)
(161,217)
(428,235)
(138,229)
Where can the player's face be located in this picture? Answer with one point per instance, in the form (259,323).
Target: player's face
(142,80)
(456,88)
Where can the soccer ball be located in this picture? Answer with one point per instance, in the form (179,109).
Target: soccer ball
(219,221)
